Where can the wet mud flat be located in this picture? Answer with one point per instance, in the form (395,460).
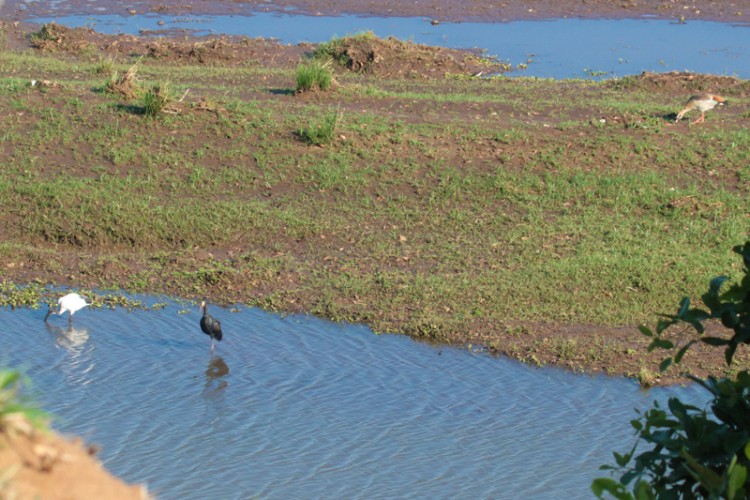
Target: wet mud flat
(437,10)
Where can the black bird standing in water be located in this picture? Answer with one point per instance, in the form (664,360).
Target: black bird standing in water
(210,325)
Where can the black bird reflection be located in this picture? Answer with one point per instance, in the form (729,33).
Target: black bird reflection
(215,373)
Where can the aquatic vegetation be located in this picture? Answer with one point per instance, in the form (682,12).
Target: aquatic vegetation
(14,295)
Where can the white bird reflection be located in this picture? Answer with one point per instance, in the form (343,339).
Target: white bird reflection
(78,364)
(71,338)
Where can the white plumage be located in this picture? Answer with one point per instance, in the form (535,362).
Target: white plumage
(70,303)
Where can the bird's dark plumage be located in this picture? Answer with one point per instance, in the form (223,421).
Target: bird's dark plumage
(210,325)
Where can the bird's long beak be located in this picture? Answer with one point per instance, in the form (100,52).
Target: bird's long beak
(49,312)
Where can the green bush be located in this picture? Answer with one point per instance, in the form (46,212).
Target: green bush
(695,453)
(314,75)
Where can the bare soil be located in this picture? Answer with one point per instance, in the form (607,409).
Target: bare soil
(38,464)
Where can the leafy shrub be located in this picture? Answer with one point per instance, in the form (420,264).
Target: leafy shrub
(314,75)
(695,453)
(12,403)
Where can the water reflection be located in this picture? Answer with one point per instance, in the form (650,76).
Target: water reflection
(215,373)
(78,363)
(71,338)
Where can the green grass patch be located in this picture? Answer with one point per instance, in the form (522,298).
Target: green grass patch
(321,132)
(314,75)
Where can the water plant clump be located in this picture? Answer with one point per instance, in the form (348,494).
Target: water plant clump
(14,295)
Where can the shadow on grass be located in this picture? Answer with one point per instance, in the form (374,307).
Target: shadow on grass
(131,108)
(282,91)
(668,117)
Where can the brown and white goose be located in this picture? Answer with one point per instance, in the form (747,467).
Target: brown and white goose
(702,102)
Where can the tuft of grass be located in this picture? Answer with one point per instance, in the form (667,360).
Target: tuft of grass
(647,378)
(125,84)
(321,133)
(106,66)
(157,99)
(314,75)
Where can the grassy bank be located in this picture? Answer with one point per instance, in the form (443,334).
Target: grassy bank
(456,209)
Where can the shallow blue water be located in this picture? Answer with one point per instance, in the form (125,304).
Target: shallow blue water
(561,48)
(296,407)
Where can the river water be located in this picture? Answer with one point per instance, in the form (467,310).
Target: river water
(296,407)
(557,48)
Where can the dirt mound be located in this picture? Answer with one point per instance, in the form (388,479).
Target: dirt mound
(211,51)
(685,82)
(35,464)
(179,48)
(204,52)
(53,37)
(391,57)
(365,53)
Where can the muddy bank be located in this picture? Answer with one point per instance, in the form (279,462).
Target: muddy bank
(41,464)
(439,10)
